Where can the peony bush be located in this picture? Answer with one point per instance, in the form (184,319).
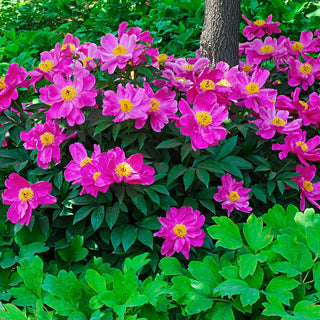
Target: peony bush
(115,154)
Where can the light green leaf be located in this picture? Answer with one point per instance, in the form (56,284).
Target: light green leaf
(221,311)
(247,264)
(96,281)
(170,266)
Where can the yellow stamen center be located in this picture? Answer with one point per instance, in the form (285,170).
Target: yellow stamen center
(234,196)
(71,45)
(179,79)
(47,138)
(246,67)
(162,57)
(118,50)
(307,185)
(25,194)
(297,46)
(252,88)
(223,83)
(96,175)
(204,118)
(2,84)
(302,145)
(305,68)
(180,230)
(259,23)
(126,105)
(85,161)
(68,93)
(304,104)
(207,84)
(84,61)
(46,65)
(278,122)
(155,104)
(188,67)
(267,49)
(123,169)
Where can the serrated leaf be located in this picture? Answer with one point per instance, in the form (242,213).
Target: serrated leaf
(226,232)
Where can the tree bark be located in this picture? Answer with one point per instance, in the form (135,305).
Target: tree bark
(220,34)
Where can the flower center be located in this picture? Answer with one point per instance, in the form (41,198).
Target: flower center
(278,122)
(47,138)
(180,230)
(85,161)
(123,169)
(252,87)
(267,49)
(71,45)
(162,57)
(302,145)
(126,105)
(305,68)
(223,83)
(2,84)
(207,84)
(204,118)
(297,46)
(84,61)
(96,175)
(304,104)
(234,196)
(25,194)
(155,104)
(307,185)
(118,50)
(246,67)
(188,67)
(46,65)
(179,79)
(259,23)
(68,93)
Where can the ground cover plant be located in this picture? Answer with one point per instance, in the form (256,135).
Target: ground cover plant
(115,153)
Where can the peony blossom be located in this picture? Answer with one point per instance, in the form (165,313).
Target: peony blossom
(203,122)
(46,138)
(232,195)
(23,197)
(308,189)
(181,230)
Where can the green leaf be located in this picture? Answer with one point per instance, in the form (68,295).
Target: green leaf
(112,215)
(167,144)
(32,273)
(247,264)
(129,236)
(153,195)
(203,176)
(175,173)
(274,307)
(82,213)
(307,310)
(188,178)
(96,281)
(145,236)
(75,252)
(238,162)
(211,166)
(12,312)
(227,148)
(170,266)
(136,263)
(221,311)
(97,217)
(140,202)
(160,189)
(256,236)
(259,191)
(281,287)
(248,296)
(227,233)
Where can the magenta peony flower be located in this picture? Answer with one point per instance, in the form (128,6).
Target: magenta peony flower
(127,103)
(162,105)
(203,122)
(295,142)
(181,230)
(67,97)
(306,44)
(46,138)
(23,197)
(80,159)
(232,195)
(258,28)
(308,189)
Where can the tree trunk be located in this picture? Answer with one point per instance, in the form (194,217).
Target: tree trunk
(220,34)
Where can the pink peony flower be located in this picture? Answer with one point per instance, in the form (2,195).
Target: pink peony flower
(295,142)
(80,159)
(258,28)
(127,103)
(181,230)
(14,78)
(46,138)
(162,105)
(23,197)
(306,44)
(203,122)
(67,97)
(232,195)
